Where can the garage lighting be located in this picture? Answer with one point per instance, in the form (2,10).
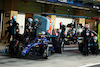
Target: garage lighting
(80,7)
(68,10)
(86,8)
(58,4)
(48,2)
(74,7)
(98,10)
(40,1)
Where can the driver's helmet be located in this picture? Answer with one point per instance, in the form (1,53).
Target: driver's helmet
(39,36)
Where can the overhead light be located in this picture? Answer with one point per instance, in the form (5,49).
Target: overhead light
(58,4)
(80,7)
(86,8)
(98,10)
(40,1)
(74,7)
(68,10)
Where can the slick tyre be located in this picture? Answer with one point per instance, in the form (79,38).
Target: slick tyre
(62,47)
(45,54)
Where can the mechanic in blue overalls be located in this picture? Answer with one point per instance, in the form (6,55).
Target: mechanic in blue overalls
(62,27)
(13,28)
(86,34)
(28,26)
(69,31)
(35,26)
(94,43)
(31,29)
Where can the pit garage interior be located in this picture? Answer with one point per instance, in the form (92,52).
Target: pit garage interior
(65,11)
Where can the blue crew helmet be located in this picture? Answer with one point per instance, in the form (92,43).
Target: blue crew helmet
(65,33)
(56,34)
(61,23)
(30,20)
(86,26)
(59,30)
(36,20)
(14,17)
(73,32)
(95,38)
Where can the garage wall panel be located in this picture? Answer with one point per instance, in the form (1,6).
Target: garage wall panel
(64,20)
(21,21)
(91,23)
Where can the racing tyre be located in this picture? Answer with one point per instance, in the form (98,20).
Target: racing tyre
(62,47)
(19,52)
(45,54)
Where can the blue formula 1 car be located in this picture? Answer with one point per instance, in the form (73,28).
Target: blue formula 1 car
(39,47)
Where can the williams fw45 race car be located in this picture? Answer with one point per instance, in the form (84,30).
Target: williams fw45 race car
(38,47)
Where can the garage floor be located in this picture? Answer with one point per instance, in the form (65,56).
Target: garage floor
(70,58)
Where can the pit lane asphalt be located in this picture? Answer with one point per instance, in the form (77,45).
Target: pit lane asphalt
(70,58)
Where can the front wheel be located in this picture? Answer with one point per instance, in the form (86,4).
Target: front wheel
(19,52)
(45,54)
(62,47)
